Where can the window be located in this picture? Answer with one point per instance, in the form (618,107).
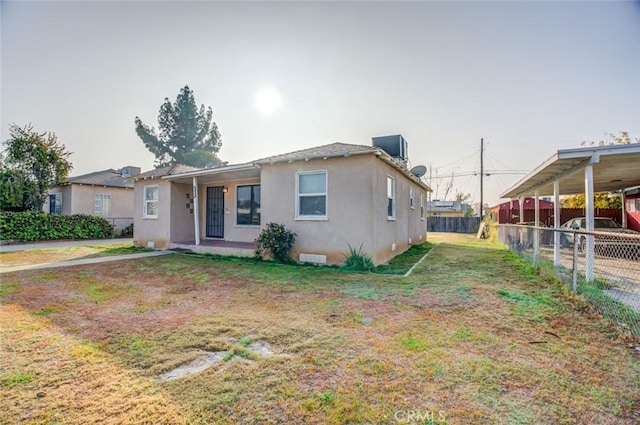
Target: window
(150,207)
(391,198)
(248,205)
(101,204)
(312,195)
(632,205)
(421,206)
(55,203)
(412,198)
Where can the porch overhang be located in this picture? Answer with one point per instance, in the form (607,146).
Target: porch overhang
(218,174)
(615,167)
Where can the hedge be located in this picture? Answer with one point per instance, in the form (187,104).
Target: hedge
(30,226)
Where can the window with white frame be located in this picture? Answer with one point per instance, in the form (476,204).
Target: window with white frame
(102,204)
(311,197)
(412,198)
(391,197)
(421,206)
(150,207)
(248,205)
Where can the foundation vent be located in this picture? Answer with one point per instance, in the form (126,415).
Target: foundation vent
(313,258)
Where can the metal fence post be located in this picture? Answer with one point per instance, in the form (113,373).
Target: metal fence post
(574,282)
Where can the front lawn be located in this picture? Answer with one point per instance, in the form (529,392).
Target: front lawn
(474,335)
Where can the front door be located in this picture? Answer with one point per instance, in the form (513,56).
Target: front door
(215,212)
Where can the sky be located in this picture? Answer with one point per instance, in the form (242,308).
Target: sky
(528,77)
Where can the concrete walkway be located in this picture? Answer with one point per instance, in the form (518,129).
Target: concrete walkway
(61,244)
(106,259)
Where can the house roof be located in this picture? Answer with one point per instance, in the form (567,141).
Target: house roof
(251,169)
(110,177)
(324,151)
(164,171)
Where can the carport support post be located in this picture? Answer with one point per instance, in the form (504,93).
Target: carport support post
(536,232)
(521,207)
(588,204)
(196,211)
(556,223)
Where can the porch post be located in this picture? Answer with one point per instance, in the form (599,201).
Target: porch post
(196,210)
(556,223)
(588,199)
(536,232)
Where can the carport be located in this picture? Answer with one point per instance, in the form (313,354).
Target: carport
(572,171)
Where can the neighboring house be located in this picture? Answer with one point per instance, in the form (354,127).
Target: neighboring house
(509,212)
(446,208)
(106,194)
(631,207)
(331,196)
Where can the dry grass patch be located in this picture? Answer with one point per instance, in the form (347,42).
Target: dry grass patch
(54,255)
(474,333)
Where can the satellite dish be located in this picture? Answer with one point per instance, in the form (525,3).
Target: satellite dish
(419,170)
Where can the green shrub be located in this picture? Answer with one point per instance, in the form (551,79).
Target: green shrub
(275,240)
(356,260)
(127,232)
(31,226)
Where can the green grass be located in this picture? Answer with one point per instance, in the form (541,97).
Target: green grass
(401,264)
(8,288)
(18,378)
(123,249)
(45,311)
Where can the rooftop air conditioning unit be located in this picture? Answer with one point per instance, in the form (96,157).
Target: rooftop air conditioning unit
(396,146)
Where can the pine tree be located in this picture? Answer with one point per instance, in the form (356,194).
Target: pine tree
(187,135)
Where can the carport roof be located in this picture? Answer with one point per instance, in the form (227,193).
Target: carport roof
(615,167)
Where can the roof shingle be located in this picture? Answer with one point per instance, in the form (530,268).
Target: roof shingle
(110,177)
(333,149)
(165,171)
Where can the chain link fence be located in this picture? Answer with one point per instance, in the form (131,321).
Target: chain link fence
(602,266)
(122,226)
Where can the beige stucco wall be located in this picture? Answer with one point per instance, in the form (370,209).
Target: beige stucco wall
(182,224)
(349,205)
(156,230)
(356,208)
(82,197)
(232,231)
(395,236)
(79,199)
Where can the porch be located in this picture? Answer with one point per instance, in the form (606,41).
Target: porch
(217,247)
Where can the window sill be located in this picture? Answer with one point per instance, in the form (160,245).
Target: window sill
(391,219)
(247,226)
(311,218)
(150,217)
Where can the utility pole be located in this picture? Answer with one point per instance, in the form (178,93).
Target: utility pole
(481,175)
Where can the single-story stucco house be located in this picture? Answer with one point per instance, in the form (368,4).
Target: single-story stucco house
(107,194)
(332,196)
